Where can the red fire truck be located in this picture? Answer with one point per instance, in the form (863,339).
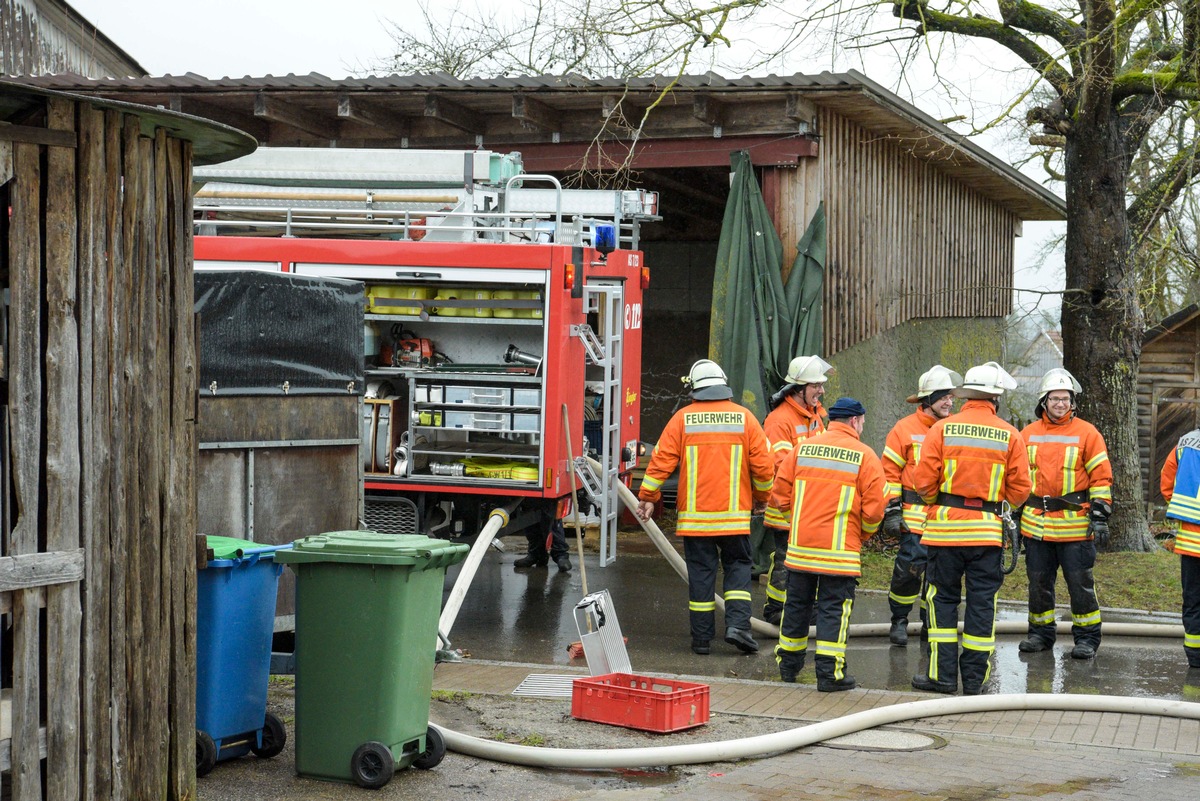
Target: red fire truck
(493,300)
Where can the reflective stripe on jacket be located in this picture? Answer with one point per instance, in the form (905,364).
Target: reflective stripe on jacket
(832,491)
(901,452)
(976,455)
(1064,457)
(724,466)
(789,423)
(1180,485)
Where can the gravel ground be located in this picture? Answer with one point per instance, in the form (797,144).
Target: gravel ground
(542,722)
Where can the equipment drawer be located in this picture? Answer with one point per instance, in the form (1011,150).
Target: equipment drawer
(478,421)
(479,396)
(526,422)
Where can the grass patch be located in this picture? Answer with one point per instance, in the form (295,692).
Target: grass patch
(1124,580)
(534,740)
(451,696)
(282,680)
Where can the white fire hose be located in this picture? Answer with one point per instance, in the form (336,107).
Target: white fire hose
(766,744)
(497,520)
(801,736)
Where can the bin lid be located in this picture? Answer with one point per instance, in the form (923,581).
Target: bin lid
(372,547)
(228,549)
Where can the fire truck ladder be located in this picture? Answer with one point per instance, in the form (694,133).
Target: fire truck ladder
(604,350)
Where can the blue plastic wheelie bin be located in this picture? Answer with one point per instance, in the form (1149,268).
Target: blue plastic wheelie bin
(235,620)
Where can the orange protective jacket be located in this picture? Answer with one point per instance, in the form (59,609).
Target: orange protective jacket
(1181,491)
(789,423)
(901,452)
(1064,457)
(976,455)
(835,484)
(724,467)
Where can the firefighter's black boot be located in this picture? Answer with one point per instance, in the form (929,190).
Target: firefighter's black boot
(741,639)
(899,632)
(923,683)
(533,560)
(564,563)
(846,682)
(1083,650)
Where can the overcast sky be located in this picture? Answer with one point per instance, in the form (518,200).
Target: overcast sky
(217,38)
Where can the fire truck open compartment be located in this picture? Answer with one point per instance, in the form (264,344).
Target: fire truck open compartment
(490,307)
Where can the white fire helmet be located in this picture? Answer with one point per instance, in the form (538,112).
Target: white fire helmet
(986,380)
(1058,378)
(808,370)
(934,379)
(706,381)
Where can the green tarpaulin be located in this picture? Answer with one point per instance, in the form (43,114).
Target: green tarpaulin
(758,322)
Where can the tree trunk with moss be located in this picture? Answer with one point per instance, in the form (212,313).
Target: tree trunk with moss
(1102,322)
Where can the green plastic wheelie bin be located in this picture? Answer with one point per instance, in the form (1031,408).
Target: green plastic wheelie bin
(367,607)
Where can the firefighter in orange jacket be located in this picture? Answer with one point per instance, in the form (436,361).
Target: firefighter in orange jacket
(904,518)
(973,471)
(724,475)
(1180,484)
(796,415)
(1066,518)
(831,488)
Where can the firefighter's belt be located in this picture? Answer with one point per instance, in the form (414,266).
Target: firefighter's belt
(1050,503)
(911,497)
(961,502)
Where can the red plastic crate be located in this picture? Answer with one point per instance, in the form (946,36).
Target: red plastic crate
(640,702)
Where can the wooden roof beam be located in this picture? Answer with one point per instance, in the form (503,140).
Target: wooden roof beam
(273,109)
(355,110)
(802,111)
(187,104)
(621,107)
(534,112)
(455,114)
(710,112)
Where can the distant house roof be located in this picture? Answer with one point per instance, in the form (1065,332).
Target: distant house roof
(531,112)
(1043,353)
(1172,323)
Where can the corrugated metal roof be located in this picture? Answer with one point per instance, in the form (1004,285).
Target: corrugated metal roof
(316,98)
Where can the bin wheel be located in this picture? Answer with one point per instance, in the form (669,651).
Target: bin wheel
(372,765)
(435,750)
(274,736)
(206,753)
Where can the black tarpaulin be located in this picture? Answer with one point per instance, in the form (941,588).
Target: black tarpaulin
(273,334)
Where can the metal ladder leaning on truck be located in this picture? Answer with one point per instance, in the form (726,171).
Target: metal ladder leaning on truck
(493,297)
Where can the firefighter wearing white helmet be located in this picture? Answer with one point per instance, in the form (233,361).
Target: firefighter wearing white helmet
(973,465)
(905,516)
(796,414)
(725,473)
(1066,518)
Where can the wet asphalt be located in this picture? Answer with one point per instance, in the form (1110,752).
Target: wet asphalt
(529,616)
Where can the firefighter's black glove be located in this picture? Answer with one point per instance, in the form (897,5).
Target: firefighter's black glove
(1098,525)
(893,520)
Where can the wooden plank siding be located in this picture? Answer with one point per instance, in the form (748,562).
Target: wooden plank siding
(1168,390)
(906,240)
(98,555)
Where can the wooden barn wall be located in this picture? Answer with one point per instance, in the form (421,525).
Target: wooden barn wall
(41,38)
(905,239)
(100,417)
(1168,399)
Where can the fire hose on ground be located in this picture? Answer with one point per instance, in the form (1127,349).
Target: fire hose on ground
(801,736)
